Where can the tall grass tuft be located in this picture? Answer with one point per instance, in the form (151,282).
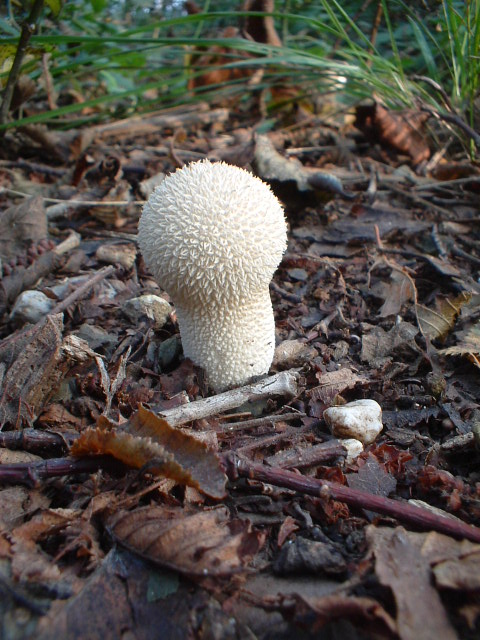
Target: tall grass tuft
(420,55)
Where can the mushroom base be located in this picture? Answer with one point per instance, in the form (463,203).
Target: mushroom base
(232,344)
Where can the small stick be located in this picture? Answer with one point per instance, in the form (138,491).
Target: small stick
(30,474)
(82,289)
(28,28)
(35,440)
(281,384)
(407,513)
(227,427)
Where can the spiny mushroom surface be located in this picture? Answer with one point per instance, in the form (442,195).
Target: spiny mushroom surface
(212,235)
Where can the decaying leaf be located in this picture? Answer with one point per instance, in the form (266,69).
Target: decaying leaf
(365,611)
(147,440)
(435,324)
(400,565)
(396,293)
(401,130)
(202,543)
(31,372)
(468,345)
(378,346)
(333,383)
(373,478)
(459,573)
(21,224)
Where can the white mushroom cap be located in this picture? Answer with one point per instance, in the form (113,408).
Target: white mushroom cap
(213,235)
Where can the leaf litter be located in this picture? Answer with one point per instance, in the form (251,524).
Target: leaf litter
(377,297)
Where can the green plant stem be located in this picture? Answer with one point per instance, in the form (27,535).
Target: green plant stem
(28,29)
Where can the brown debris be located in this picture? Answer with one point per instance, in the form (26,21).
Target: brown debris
(402,131)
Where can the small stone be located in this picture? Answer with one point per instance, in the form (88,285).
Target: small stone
(154,307)
(361,420)
(123,254)
(293,353)
(96,337)
(31,306)
(354,449)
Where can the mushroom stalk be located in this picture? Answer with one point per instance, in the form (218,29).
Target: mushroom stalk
(213,235)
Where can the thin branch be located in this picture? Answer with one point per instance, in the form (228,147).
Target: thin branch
(281,384)
(31,474)
(325,489)
(28,28)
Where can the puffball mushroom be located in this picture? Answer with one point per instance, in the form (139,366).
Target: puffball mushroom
(212,235)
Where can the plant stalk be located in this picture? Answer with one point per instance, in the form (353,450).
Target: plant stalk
(28,28)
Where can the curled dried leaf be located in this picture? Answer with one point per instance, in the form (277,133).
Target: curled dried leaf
(149,440)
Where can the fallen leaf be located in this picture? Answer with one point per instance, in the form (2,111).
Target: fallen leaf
(149,441)
(20,225)
(32,372)
(462,574)
(372,478)
(378,346)
(401,130)
(435,324)
(468,345)
(201,543)
(396,293)
(400,565)
(333,383)
(367,613)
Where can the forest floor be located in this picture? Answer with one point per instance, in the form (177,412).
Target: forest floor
(377,297)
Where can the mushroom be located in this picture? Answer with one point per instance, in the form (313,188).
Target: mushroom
(212,235)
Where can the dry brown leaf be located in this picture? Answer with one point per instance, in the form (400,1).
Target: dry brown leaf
(396,293)
(332,383)
(132,451)
(379,346)
(21,224)
(435,324)
(462,574)
(400,565)
(202,543)
(147,440)
(468,345)
(401,130)
(191,453)
(33,372)
(339,606)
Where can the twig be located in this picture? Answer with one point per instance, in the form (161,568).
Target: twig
(35,441)
(28,28)
(77,203)
(456,120)
(325,489)
(281,384)
(290,297)
(30,474)
(80,292)
(228,427)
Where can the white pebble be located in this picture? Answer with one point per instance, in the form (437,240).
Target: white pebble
(361,419)
(354,449)
(31,306)
(154,307)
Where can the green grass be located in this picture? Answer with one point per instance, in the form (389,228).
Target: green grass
(114,65)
